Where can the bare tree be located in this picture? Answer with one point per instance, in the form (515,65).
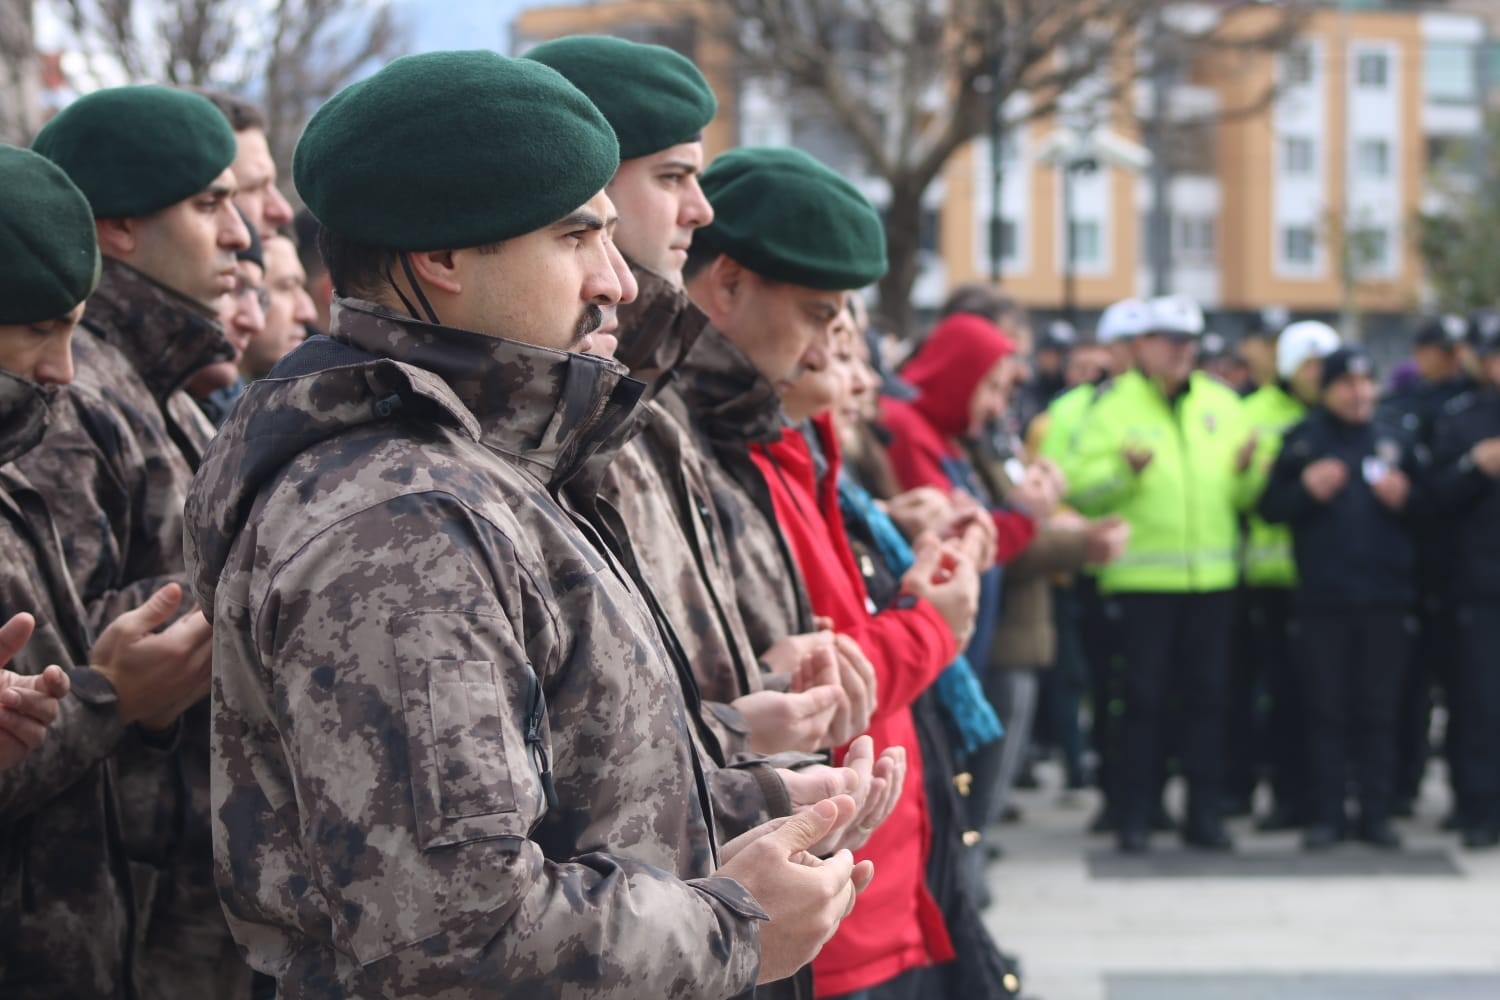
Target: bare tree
(910,82)
(286,55)
(18,71)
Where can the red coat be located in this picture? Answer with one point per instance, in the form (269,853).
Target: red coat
(896,925)
(946,371)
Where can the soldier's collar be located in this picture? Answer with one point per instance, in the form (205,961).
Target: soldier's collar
(657,330)
(725,390)
(23,415)
(165,335)
(548,407)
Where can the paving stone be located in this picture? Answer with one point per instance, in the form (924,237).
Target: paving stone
(1305,986)
(1347,861)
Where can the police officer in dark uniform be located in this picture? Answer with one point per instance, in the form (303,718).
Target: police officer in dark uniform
(1466,486)
(1438,351)
(1351,490)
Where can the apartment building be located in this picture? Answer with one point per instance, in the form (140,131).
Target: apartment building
(1301,207)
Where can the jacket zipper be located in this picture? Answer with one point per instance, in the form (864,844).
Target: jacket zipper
(536,709)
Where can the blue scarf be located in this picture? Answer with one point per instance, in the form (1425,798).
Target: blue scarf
(971,720)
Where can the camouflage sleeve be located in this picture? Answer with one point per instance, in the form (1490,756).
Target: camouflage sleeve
(402,686)
(117,503)
(87,730)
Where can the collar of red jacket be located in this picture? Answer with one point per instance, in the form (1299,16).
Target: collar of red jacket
(949,366)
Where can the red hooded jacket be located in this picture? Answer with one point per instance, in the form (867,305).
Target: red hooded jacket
(946,371)
(896,925)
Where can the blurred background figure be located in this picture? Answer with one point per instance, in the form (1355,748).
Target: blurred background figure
(1350,488)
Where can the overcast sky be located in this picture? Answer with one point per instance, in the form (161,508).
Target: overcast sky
(461,24)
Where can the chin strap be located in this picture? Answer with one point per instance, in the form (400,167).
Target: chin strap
(416,289)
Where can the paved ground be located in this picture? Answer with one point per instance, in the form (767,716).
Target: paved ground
(1361,926)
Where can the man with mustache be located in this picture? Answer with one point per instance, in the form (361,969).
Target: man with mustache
(451,754)
(658,102)
(154,164)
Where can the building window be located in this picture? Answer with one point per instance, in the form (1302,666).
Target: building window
(1194,240)
(1084,243)
(1297,66)
(1297,156)
(1449,73)
(1299,245)
(930,231)
(1009,239)
(1372,70)
(1372,158)
(1370,247)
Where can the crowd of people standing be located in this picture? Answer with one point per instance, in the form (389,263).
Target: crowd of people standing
(525,573)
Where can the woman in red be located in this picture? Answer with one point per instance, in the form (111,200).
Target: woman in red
(963,374)
(896,928)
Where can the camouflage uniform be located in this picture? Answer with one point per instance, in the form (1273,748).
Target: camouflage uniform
(658,483)
(67,919)
(417,644)
(131,438)
(728,407)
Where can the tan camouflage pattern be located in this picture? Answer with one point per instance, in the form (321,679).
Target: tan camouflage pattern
(728,407)
(66,905)
(389,565)
(114,470)
(658,484)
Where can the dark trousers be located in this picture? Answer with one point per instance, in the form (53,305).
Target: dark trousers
(1172,644)
(1100,647)
(1353,664)
(1265,700)
(1064,685)
(1478,744)
(1431,672)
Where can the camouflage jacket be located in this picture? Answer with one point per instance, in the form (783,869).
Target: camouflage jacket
(67,910)
(727,406)
(116,464)
(451,755)
(115,473)
(660,487)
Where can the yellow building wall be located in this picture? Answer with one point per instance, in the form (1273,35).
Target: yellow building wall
(1244,163)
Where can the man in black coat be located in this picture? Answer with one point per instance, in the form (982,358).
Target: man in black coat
(1465,469)
(1347,485)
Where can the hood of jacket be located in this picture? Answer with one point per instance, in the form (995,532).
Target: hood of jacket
(657,330)
(546,409)
(166,336)
(23,415)
(728,396)
(950,364)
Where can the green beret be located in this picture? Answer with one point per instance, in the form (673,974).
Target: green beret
(653,97)
(789,218)
(448,150)
(49,258)
(136,150)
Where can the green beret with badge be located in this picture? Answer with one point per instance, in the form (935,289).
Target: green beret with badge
(448,150)
(49,257)
(787,217)
(653,97)
(133,151)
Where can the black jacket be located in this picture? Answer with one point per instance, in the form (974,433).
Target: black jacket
(1466,498)
(1352,552)
(1416,412)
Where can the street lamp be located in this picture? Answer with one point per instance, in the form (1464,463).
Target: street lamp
(1082,150)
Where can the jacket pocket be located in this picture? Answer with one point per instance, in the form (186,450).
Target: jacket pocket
(463,720)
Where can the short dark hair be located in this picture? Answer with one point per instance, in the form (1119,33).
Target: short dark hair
(308,229)
(357,270)
(698,258)
(361,271)
(980,300)
(242,114)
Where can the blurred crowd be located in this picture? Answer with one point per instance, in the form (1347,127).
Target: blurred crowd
(526,571)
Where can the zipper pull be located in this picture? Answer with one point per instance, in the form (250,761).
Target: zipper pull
(535,743)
